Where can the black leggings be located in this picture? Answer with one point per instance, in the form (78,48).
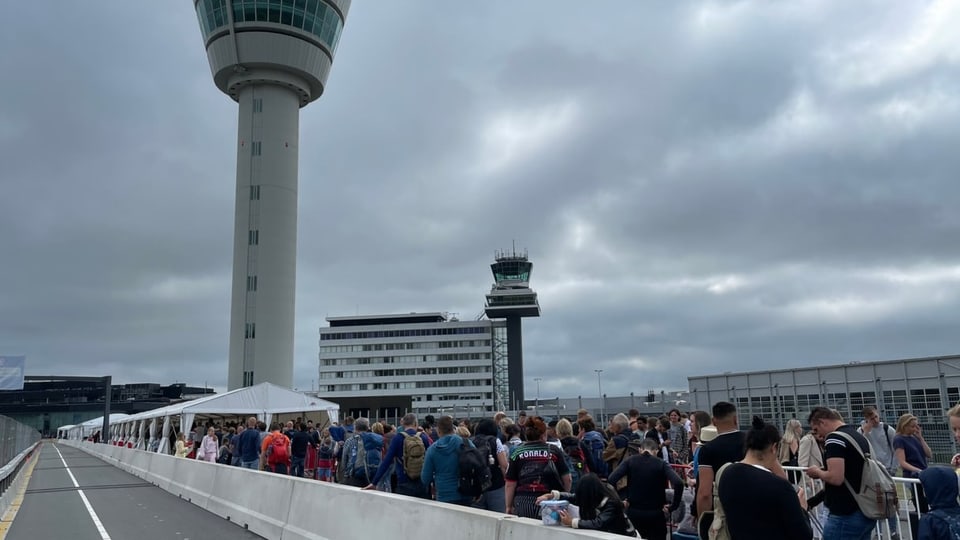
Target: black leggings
(651,524)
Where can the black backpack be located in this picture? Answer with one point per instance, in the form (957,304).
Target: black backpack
(474,476)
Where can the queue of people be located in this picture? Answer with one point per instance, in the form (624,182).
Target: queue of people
(616,474)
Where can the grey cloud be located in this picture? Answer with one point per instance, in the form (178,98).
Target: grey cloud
(737,146)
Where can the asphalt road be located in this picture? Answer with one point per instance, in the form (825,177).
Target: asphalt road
(126,506)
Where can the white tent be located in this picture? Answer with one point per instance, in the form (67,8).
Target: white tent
(263,400)
(88,428)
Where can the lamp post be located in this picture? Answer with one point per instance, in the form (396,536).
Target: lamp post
(600,394)
(536,407)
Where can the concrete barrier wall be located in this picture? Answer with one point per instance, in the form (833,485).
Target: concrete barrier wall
(287,508)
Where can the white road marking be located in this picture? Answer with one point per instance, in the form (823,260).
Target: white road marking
(93,514)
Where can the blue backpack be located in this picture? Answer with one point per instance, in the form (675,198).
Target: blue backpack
(596,444)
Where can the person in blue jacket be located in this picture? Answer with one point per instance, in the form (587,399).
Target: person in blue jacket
(441,464)
(942,522)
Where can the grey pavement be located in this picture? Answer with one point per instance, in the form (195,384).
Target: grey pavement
(128,507)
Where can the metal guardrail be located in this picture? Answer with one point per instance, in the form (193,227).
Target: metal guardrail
(907,493)
(18,441)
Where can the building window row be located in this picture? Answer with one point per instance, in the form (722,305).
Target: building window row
(361,387)
(326,362)
(253,237)
(312,16)
(256,147)
(406,372)
(252,283)
(463,397)
(250,331)
(254,193)
(415,346)
(379,334)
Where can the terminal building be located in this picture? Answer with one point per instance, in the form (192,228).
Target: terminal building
(46,404)
(383,366)
(924,387)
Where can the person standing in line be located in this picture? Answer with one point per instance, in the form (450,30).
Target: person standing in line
(235,446)
(881,437)
(790,447)
(645,499)
(441,464)
(726,447)
(408,482)
(912,453)
(248,445)
(181,447)
(210,446)
(535,468)
(758,504)
(299,446)
(953,417)
(678,435)
(844,464)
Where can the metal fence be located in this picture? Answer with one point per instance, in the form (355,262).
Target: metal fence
(17,439)
(907,495)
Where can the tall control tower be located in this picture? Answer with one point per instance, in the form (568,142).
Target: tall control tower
(272,57)
(511,298)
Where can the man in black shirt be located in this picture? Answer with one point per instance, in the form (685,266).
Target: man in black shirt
(646,475)
(842,462)
(727,447)
(299,442)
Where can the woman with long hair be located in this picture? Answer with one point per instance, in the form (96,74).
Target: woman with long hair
(600,507)
(912,453)
(758,503)
(210,446)
(181,447)
(790,447)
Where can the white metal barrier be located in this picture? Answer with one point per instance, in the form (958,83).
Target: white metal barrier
(907,490)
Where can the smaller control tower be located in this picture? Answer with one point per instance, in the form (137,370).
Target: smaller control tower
(511,298)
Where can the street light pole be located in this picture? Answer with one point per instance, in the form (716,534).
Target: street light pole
(600,394)
(536,407)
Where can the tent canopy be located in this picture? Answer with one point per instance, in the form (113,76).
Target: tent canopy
(90,427)
(262,400)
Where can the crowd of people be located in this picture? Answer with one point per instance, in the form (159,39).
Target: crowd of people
(747,484)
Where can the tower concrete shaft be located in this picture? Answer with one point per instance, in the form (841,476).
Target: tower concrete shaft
(265,237)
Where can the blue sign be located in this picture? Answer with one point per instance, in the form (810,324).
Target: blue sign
(11,372)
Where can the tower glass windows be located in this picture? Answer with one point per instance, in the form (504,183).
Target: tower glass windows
(312,16)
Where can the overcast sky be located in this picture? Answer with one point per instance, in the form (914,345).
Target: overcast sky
(702,187)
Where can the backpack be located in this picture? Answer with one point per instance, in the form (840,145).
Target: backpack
(327,450)
(474,471)
(278,451)
(619,456)
(365,460)
(952,521)
(595,445)
(576,464)
(877,498)
(719,529)
(413,454)
(352,452)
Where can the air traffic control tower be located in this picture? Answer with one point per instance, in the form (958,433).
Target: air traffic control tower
(511,298)
(272,57)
